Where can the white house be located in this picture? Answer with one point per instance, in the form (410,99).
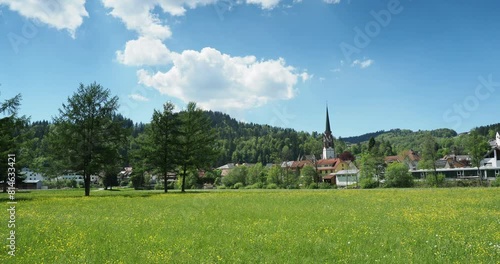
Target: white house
(77,177)
(31,175)
(492,159)
(345,178)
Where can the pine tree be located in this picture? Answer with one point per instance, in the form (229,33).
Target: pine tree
(197,141)
(86,137)
(164,140)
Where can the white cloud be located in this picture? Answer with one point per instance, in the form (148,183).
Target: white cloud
(306,76)
(265,4)
(332,1)
(362,64)
(138,97)
(336,70)
(220,82)
(61,15)
(137,16)
(144,51)
(212,79)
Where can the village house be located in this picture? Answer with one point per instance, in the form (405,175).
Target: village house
(456,169)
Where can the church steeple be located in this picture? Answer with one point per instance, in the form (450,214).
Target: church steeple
(328,146)
(327,122)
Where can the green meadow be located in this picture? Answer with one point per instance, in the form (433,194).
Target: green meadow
(460,225)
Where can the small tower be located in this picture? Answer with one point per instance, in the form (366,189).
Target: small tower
(328,146)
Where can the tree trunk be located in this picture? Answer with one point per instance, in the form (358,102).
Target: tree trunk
(165,181)
(480,176)
(435,174)
(5,183)
(183,179)
(86,179)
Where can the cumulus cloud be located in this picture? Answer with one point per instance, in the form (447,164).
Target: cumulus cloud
(362,64)
(212,79)
(221,82)
(144,51)
(62,15)
(138,97)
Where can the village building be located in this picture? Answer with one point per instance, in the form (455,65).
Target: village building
(458,167)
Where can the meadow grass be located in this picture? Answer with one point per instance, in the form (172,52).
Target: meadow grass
(257,226)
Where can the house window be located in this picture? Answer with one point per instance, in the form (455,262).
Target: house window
(459,173)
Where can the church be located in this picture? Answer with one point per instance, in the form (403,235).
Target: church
(328,145)
(334,170)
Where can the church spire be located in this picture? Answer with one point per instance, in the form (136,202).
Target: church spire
(328,145)
(327,122)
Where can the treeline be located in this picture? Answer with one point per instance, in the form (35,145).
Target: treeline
(236,142)
(252,143)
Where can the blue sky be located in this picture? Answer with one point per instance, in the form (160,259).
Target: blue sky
(377,64)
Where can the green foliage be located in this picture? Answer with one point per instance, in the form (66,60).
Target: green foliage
(325,185)
(137,180)
(258,185)
(86,137)
(372,169)
(397,175)
(272,186)
(11,138)
(256,174)
(238,185)
(368,183)
(435,180)
(164,141)
(59,184)
(477,146)
(496,182)
(274,175)
(313,186)
(236,175)
(197,141)
(309,174)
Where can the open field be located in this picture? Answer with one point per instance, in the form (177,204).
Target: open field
(263,226)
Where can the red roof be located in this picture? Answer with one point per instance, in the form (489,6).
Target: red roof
(326,162)
(391,159)
(301,163)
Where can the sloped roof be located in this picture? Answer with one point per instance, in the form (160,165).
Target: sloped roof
(227,166)
(301,163)
(344,172)
(391,159)
(325,162)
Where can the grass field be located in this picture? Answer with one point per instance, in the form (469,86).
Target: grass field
(262,226)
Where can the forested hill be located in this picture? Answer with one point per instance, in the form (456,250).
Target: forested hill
(248,142)
(362,138)
(489,130)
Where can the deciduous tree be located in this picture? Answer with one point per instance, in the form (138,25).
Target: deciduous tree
(477,147)
(429,155)
(397,175)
